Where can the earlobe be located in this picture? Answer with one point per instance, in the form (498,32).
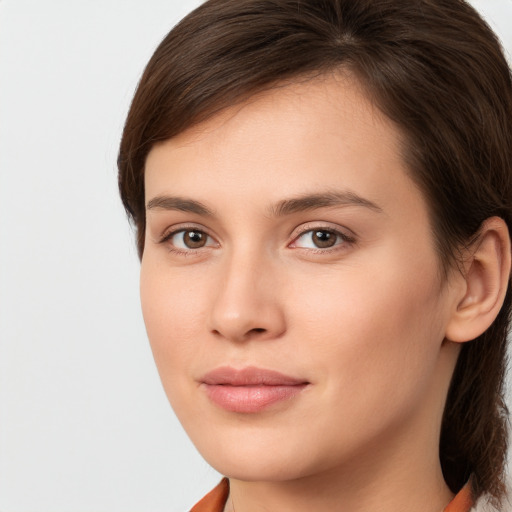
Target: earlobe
(486,278)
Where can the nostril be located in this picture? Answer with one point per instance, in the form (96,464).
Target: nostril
(242,336)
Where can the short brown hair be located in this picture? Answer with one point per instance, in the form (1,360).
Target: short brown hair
(436,69)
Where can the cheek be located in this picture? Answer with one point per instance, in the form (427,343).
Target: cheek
(174,314)
(374,332)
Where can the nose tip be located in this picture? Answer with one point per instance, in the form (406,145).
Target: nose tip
(250,322)
(241,334)
(246,307)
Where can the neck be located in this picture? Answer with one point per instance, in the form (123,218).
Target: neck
(369,486)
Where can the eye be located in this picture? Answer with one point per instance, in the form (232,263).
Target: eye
(189,239)
(319,239)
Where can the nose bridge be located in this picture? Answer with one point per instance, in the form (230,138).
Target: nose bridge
(245,304)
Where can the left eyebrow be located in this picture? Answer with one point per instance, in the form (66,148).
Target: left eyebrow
(321,200)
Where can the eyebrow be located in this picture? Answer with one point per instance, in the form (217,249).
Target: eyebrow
(322,200)
(282,208)
(178,203)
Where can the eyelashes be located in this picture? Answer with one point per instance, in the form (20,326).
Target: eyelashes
(193,240)
(321,239)
(188,240)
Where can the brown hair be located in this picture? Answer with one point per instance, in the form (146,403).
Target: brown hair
(436,69)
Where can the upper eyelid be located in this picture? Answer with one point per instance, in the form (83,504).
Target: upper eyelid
(337,233)
(167,236)
(172,230)
(319,226)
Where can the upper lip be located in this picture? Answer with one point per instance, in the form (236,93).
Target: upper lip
(249,376)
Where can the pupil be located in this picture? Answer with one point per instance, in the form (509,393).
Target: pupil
(194,239)
(323,239)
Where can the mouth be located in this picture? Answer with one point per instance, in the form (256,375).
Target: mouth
(251,389)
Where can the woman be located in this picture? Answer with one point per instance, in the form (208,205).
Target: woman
(322,193)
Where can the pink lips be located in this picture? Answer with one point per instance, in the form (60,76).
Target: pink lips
(249,390)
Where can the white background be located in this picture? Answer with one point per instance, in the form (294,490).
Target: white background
(84,423)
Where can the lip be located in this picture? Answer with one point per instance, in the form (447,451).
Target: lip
(251,389)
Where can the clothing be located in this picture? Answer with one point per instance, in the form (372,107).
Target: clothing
(215,500)
(462,502)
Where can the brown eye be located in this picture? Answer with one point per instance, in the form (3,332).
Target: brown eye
(321,238)
(190,239)
(194,239)
(324,239)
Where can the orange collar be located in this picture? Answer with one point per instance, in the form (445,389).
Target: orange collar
(215,500)
(462,502)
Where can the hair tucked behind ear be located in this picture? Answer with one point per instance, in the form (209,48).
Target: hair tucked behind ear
(435,69)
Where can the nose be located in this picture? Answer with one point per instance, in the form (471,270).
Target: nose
(245,305)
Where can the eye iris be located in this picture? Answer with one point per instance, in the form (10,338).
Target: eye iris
(194,239)
(323,239)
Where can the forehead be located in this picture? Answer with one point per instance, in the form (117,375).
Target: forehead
(312,134)
(286,102)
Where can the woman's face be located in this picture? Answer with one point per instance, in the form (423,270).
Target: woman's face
(290,287)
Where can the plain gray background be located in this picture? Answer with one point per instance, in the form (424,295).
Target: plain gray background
(84,423)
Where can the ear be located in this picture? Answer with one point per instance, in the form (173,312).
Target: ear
(485,278)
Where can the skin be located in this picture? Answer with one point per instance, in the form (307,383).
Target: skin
(364,322)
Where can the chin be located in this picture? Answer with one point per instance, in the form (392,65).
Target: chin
(249,455)
(263,469)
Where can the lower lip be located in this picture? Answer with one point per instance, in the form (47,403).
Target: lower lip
(250,399)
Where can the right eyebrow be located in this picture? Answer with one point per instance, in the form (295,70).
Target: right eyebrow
(178,203)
